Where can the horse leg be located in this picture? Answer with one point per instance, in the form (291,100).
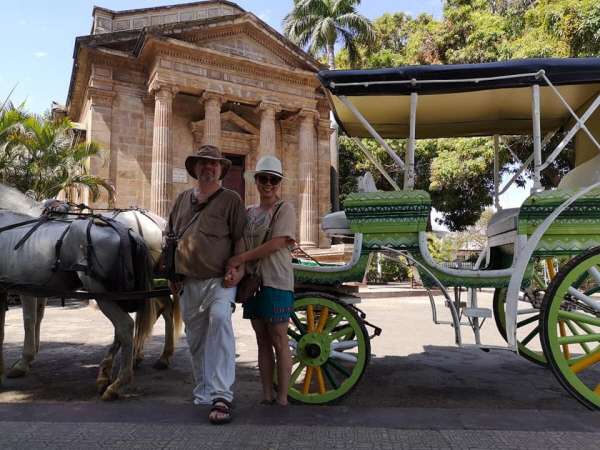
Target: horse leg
(31,343)
(3,308)
(124,325)
(166,310)
(41,309)
(107,365)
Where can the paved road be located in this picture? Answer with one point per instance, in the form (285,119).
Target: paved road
(421,391)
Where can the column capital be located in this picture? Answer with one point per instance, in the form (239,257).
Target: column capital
(309,115)
(213,98)
(268,108)
(163,90)
(101,97)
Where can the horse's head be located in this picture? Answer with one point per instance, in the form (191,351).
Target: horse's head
(107,256)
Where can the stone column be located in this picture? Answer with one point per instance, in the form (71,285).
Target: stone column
(212,117)
(266,146)
(100,131)
(307,170)
(162,152)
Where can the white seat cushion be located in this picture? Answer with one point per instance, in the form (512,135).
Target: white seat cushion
(336,223)
(503,222)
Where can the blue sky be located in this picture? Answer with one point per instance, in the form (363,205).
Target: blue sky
(37,38)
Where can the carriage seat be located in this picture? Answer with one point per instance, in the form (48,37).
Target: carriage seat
(503,221)
(336,224)
(583,175)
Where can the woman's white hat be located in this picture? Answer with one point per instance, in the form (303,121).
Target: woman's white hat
(266,164)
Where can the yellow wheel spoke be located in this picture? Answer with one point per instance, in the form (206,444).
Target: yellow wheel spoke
(307,380)
(550,264)
(320,382)
(310,317)
(322,319)
(565,347)
(597,390)
(586,362)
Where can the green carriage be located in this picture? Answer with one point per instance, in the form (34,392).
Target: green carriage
(330,336)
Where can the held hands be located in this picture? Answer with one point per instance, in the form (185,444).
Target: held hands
(232,277)
(234,261)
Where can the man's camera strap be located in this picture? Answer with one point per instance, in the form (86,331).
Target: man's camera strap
(195,216)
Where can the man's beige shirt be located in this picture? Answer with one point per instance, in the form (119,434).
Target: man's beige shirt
(209,242)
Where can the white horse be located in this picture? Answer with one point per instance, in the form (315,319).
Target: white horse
(47,256)
(150,227)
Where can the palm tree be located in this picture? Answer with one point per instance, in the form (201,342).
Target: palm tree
(11,124)
(50,159)
(320,24)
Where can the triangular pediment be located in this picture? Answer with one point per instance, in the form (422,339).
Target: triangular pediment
(231,122)
(245,46)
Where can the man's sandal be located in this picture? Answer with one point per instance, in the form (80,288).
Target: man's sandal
(224,408)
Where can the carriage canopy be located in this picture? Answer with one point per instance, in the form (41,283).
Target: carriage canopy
(463,100)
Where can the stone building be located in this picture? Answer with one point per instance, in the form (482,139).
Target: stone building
(151,85)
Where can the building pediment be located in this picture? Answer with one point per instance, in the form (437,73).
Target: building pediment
(244,45)
(230,122)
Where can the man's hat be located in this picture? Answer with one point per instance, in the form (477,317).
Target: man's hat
(207,152)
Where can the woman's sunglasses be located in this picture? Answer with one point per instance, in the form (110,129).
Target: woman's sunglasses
(263,179)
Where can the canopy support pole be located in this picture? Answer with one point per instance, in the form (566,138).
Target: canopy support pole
(537,142)
(371,130)
(496,172)
(409,170)
(573,130)
(376,163)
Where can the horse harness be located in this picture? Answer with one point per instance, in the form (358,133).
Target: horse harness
(89,248)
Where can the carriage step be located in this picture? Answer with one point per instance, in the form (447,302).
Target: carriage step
(478,312)
(462,305)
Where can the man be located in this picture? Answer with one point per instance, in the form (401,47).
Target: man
(207,290)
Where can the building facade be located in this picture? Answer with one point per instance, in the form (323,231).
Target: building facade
(151,85)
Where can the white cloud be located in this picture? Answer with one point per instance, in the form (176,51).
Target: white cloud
(40,54)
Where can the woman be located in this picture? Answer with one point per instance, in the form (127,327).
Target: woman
(270,310)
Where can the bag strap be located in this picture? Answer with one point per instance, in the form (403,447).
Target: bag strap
(268,233)
(195,216)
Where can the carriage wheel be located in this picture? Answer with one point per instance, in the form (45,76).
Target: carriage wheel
(528,320)
(570,324)
(331,349)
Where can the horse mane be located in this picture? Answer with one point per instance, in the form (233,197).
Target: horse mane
(14,200)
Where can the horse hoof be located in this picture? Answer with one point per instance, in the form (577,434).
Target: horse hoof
(110,395)
(137,363)
(16,373)
(102,387)
(160,365)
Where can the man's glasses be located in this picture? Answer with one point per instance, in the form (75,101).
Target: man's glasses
(263,179)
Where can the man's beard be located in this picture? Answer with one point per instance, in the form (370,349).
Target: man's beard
(207,176)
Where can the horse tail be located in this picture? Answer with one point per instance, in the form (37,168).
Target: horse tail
(177,319)
(145,317)
(146,308)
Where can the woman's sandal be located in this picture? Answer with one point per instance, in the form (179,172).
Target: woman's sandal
(224,408)
(267,402)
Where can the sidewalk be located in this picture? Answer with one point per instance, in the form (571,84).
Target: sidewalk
(127,425)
